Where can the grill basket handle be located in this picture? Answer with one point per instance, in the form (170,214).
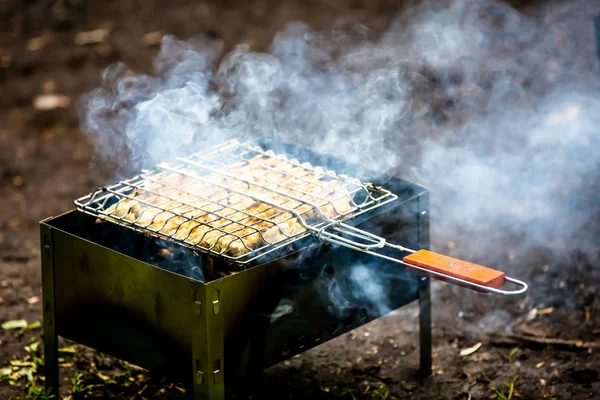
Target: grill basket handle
(425,262)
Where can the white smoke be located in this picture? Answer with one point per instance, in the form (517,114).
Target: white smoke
(494,111)
(361,286)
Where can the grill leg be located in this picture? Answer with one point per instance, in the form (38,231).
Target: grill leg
(424,291)
(425,327)
(207,343)
(50,359)
(50,335)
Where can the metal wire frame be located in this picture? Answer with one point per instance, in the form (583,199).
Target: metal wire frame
(298,202)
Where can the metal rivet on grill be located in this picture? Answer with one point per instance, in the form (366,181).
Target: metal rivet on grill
(216,370)
(199,377)
(216,302)
(199,373)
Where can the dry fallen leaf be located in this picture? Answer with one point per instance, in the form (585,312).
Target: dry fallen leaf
(544,311)
(102,376)
(531,314)
(18,181)
(51,101)
(36,43)
(470,350)
(539,365)
(33,300)
(482,357)
(91,37)
(153,38)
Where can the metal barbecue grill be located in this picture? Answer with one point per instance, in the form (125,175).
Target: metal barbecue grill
(290,202)
(219,264)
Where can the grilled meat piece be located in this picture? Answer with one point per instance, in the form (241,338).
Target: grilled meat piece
(251,204)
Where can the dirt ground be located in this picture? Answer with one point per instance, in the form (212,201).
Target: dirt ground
(549,339)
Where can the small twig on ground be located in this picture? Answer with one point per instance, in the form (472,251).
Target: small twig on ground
(513,339)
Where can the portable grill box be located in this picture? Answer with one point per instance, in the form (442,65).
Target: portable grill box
(113,289)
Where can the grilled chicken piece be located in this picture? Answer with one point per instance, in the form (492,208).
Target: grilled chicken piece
(250,205)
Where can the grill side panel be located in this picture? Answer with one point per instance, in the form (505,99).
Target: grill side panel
(122,306)
(277,310)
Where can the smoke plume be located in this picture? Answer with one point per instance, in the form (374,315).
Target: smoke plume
(493,110)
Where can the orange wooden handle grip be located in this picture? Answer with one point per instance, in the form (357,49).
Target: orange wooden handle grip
(456,268)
